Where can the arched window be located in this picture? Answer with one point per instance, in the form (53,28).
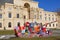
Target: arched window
(0,25)
(26,5)
(9,24)
(18,24)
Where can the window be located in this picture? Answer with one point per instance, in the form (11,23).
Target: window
(0,9)
(56,24)
(24,17)
(56,19)
(26,5)
(52,15)
(0,15)
(10,8)
(18,24)
(35,16)
(18,8)
(17,15)
(49,19)
(53,25)
(40,16)
(41,24)
(45,18)
(40,12)
(9,24)
(49,14)
(53,19)
(9,15)
(49,25)
(45,14)
(0,25)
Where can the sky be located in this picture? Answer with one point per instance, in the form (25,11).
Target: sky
(49,5)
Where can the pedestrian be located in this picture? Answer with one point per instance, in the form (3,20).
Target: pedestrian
(17,30)
(23,30)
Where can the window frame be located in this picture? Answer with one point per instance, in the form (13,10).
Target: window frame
(34,16)
(45,18)
(49,25)
(53,25)
(40,17)
(9,25)
(49,19)
(0,25)
(10,15)
(0,16)
(18,23)
(17,15)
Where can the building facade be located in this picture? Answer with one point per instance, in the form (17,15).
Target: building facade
(58,18)
(20,11)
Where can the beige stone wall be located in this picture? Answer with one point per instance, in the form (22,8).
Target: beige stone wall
(18,8)
(21,3)
(52,15)
(58,20)
(2,19)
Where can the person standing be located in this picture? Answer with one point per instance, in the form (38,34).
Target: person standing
(17,30)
